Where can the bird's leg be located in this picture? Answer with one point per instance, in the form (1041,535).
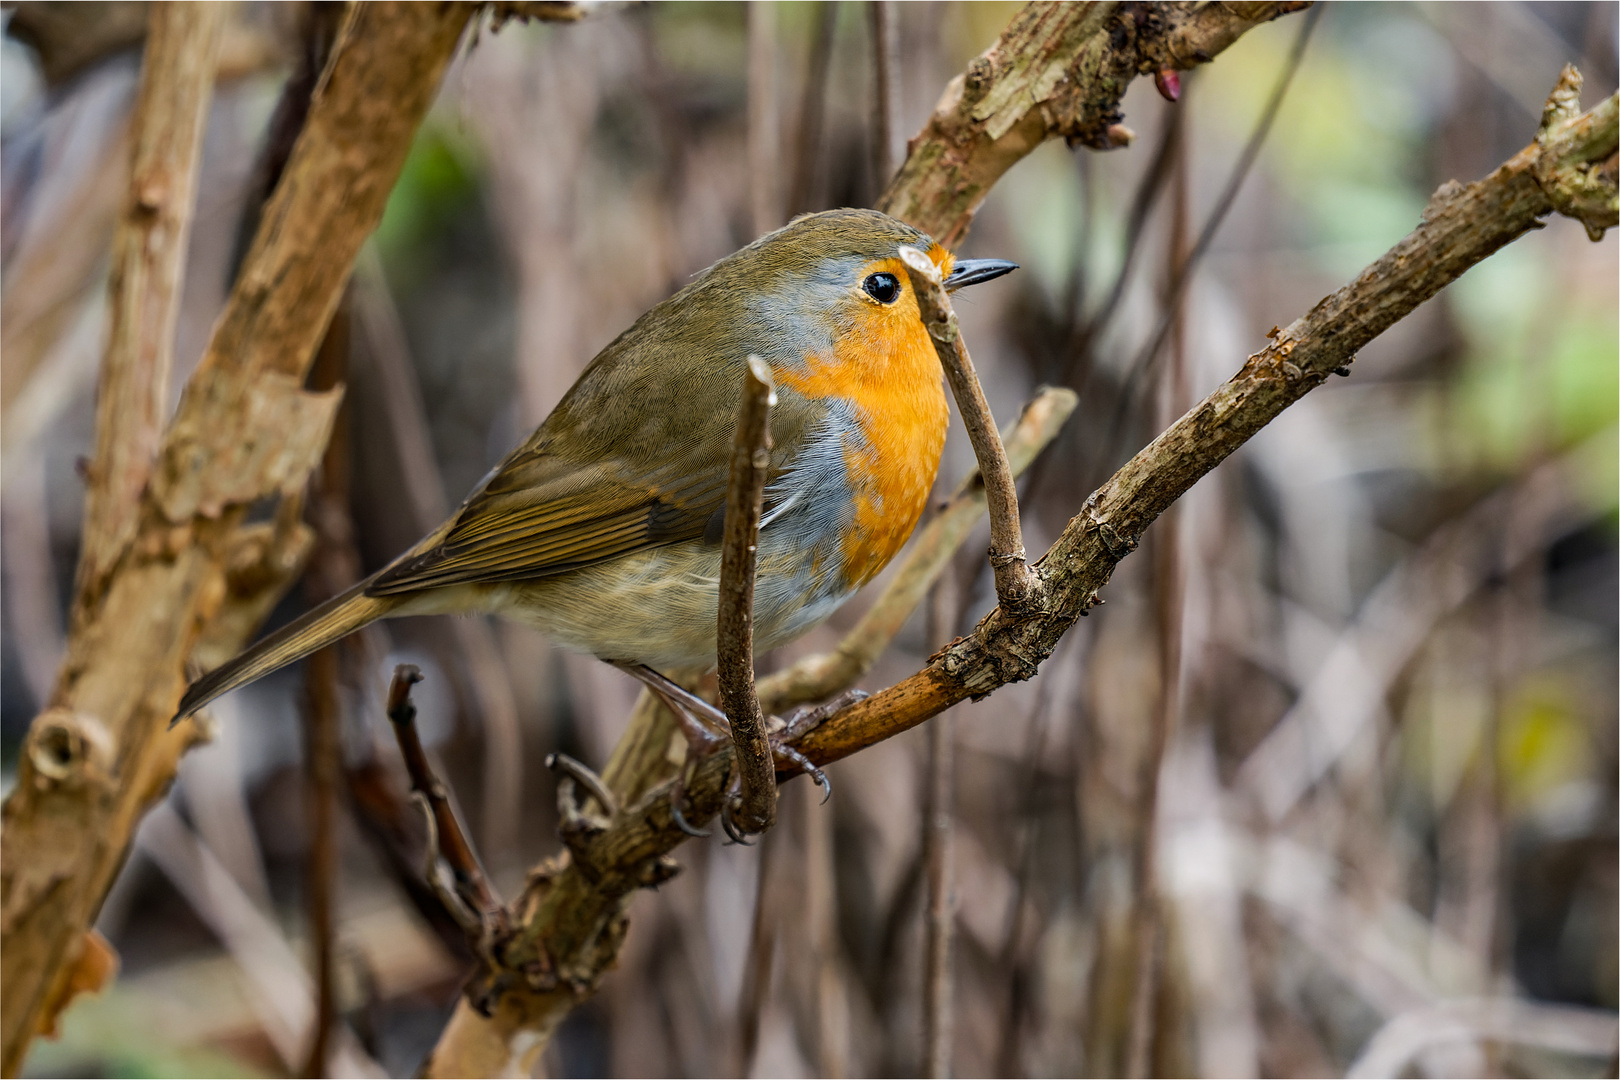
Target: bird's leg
(689,711)
(706,730)
(703,725)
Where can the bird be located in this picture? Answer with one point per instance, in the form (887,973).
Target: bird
(603,529)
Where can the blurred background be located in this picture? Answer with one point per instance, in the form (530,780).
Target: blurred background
(1336,762)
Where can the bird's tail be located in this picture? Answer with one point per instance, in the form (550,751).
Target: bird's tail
(338,617)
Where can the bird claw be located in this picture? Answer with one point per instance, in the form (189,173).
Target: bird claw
(706,730)
(680,820)
(786,755)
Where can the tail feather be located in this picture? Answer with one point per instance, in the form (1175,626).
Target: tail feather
(338,617)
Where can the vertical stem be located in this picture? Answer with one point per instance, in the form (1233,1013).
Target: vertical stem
(745,497)
(321,728)
(831,1054)
(764,137)
(333,567)
(885,100)
(939,856)
(812,112)
(1167,595)
(148,267)
(756,985)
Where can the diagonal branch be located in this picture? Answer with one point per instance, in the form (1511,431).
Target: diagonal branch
(1460,227)
(745,497)
(818,677)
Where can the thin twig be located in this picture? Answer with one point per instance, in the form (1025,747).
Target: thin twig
(321,749)
(1148,917)
(1017,587)
(812,111)
(885,82)
(939,808)
(471,884)
(745,497)
(756,984)
(334,566)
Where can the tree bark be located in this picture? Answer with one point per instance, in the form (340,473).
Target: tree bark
(190,579)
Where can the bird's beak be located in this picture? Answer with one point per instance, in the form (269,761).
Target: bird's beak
(973,271)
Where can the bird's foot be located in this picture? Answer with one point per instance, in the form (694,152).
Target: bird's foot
(707,730)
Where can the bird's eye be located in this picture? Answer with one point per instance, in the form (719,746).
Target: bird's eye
(884,288)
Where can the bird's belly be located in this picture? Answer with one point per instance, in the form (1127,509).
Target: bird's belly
(659,607)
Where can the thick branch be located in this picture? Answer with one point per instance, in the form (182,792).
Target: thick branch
(1016,588)
(97,758)
(148,263)
(745,497)
(1059,69)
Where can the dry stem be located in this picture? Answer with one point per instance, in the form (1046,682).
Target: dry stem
(745,497)
(1016,588)
(818,677)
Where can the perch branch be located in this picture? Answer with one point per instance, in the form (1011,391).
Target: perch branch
(1017,589)
(573,913)
(103,751)
(745,497)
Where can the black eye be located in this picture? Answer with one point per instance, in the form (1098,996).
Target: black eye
(884,288)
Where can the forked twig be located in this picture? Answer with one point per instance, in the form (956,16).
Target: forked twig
(446,838)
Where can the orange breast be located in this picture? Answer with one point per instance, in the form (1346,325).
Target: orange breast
(884,365)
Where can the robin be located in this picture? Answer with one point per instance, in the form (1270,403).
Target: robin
(603,529)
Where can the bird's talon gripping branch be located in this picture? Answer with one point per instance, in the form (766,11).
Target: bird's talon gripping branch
(786,755)
(575,825)
(572,771)
(679,818)
(728,808)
